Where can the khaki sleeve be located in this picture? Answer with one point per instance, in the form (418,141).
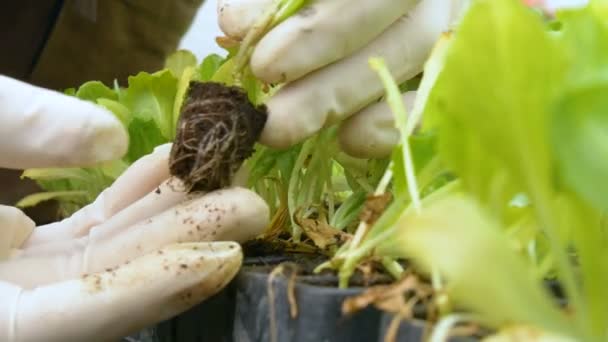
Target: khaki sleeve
(111,39)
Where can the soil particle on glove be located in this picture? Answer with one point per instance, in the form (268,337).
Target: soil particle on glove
(217,130)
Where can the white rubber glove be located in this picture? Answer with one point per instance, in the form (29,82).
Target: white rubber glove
(322,53)
(142,252)
(43,128)
(550,7)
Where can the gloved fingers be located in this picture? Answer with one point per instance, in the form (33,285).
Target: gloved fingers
(119,301)
(322,33)
(236,17)
(300,109)
(551,7)
(44,128)
(141,178)
(234,214)
(371,133)
(166,196)
(16,227)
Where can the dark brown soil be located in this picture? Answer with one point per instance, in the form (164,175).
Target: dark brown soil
(217,130)
(264,256)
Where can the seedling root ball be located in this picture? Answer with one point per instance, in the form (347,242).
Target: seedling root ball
(216,132)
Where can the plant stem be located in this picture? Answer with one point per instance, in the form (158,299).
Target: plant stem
(294,179)
(541,198)
(441,332)
(251,38)
(274,15)
(385,180)
(393,267)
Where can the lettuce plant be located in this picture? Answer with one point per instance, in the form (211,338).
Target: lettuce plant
(519,114)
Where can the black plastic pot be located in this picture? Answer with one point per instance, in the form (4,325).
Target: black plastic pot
(242,313)
(209,321)
(319,316)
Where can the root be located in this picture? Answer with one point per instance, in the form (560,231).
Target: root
(291,297)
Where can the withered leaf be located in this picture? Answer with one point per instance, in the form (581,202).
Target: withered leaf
(385,297)
(374,207)
(321,233)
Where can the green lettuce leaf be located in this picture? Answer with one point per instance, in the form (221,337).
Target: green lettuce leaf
(145,107)
(95,90)
(151,97)
(36,198)
(580,124)
(506,292)
(180,61)
(491,100)
(209,66)
(182,88)
(518,110)
(144,135)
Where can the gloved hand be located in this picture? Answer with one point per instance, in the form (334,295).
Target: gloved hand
(550,7)
(322,54)
(140,253)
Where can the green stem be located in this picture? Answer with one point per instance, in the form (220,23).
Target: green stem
(287,9)
(293,182)
(251,38)
(541,198)
(352,258)
(393,267)
(274,15)
(383,232)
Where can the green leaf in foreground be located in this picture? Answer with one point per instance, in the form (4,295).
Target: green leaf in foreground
(455,236)
(580,139)
(580,120)
(501,73)
(580,142)
(518,111)
(491,101)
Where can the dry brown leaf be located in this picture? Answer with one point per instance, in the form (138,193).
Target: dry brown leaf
(277,224)
(321,233)
(374,207)
(367,269)
(389,297)
(226,42)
